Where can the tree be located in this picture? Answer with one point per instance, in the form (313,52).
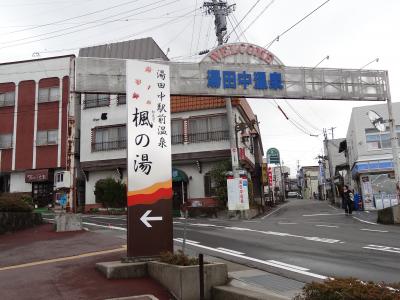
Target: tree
(110,193)
(218,178)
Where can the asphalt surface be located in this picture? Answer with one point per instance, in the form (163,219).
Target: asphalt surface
(305,240)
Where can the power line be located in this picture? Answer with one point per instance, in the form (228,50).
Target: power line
(178,34)
(73,18)
(294,25)
(90,27)
(256,18)
(199,35)
(234,30)
(194,23)
(302,118)
(177,19)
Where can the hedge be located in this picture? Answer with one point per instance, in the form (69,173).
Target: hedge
(349,289)
(10,202)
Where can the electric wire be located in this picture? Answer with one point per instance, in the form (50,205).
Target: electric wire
(177,19)
(77,26)
(294,25)
(200,30)
(239,26)
(73,18)
(194,23)
(234,30)
(256,18)
(246,14)
(178,34)
(302,118)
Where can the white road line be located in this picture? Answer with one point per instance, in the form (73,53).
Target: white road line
(324,214)
(187,240)
(266,216)
(47,219)
(229,250)
(383,248)
(286,223)
(373,230)
(175,222)
(335,208)
(288,265)
(280,266)
(104,226)
(107,218)
(330,226)
(372,223)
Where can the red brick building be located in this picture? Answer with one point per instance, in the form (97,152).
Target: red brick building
(36,110)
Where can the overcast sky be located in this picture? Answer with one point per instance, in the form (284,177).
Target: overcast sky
(353,33)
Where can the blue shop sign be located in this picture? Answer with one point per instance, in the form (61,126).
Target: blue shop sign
(233,79)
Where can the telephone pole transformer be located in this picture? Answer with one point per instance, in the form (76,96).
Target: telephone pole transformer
(220,9)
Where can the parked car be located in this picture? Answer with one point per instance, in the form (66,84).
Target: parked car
(293,195)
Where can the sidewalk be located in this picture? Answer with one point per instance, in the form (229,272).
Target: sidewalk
(39,263)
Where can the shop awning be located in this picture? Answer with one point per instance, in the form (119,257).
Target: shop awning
(371,167)
(178,175)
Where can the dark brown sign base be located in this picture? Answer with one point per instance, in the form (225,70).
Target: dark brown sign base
(144,241)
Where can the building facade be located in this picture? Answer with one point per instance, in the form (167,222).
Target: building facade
(308,177)
(370,157)
(37,126)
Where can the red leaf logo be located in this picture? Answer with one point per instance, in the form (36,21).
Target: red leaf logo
(138,81)
(135,96)
(148,69)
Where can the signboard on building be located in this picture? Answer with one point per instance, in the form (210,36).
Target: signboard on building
(264,173)
(273,156)
(37,175)
(149,159)
(238,194)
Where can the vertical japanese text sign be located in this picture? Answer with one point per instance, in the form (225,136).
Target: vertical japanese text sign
(149,159)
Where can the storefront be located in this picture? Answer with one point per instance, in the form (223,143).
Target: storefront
(377,183)
(42,186)
(179,185)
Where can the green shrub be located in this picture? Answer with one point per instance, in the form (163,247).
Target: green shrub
(14,205)
(349,289)
(179,259)
(110,193)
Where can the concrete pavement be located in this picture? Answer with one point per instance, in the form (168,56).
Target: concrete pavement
(40,264)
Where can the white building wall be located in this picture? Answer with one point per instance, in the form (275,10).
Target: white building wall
(91,118)
(18,184)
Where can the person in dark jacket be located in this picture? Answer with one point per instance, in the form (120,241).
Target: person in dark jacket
(348,198)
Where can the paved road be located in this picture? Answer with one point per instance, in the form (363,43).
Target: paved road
(303,239)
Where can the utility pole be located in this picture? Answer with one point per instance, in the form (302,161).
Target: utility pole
(220,9)
(330,166)
(331,129)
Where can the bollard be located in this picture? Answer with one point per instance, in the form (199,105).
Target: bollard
(201,277)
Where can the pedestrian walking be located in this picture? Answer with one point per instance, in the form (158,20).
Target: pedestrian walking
(348,198)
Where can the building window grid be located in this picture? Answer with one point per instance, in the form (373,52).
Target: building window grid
(6,140)
(121,99)
(7,99)
(96,100)
(47,137)
(205,129)
(50,94)
(377,140)
(109,138)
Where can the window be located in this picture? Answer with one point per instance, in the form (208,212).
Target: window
(377,140)
(47,137)
(109,138)
(176,132)
(7,99)
(209,186)
(121,99)
(96,100)
(213,128)
(49,94)
(60,177)
(5,141)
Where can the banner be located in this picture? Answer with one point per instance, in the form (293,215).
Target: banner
(238,194)
(148,132)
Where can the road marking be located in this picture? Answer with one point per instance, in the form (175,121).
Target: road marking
(383,248)
(324,214)
(107,218)
(187,240)
(264,262)
(373,230)
(229,250)
(54,260)
(286,223)
(104,226)
(288,265)
(330,226)
(372,223)
(266,216)
(175,222)
(335,208)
